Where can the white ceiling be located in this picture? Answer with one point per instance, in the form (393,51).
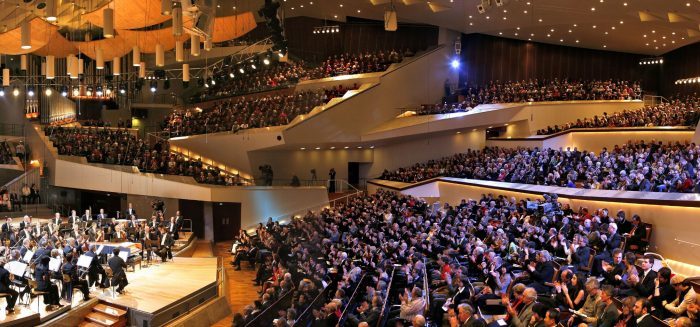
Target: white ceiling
(597,24)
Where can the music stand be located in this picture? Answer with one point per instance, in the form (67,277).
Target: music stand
(28,256)
(54,264)
(124,253)
(16,268)
(84,261)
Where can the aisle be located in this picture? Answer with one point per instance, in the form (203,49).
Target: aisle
(241,291)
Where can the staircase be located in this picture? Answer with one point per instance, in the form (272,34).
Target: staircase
(105,315)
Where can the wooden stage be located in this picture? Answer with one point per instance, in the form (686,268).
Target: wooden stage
(163,291)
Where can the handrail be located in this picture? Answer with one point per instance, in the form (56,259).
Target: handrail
(262,318)
(383,314)
(426,286)
(301,320)
(352,300)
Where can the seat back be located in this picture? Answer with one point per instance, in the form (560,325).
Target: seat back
(647,236)
(591,259)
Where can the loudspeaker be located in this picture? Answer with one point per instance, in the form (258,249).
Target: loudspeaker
(390,22)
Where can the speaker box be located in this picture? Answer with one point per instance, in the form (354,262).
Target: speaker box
(390,22)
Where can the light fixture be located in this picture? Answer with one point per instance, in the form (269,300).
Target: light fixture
(26,37)
(76,91)
(160,55)
(99,91)
(177,18)
(166,6)
(454,63)
(108,23)
(15,91)
(185,73)
(142,70)
(122,89)
(2,92)
(64,91)
(266,61)
(30,91)
(194,45)
(231,75)
(48,91)
(6,77)
(241,70)
(136,52)
(51,10)
(179,51)
(154,86)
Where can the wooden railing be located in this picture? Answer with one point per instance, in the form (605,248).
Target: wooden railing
(266,317)
(353,300)
(385,307)
(307,316)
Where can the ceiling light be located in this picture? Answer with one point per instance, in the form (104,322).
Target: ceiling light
(318,148)
(625,4)
(576,41)
(231,75)
(2,91)
(487,17)
(302,148)
(592,8)
(540,20)
(15,91)
(524,11)
(500,33)
(561,40)
(48,92)
(332,148)
(347,147)
(605,46)
(30,91)
(621,22)
(594,26)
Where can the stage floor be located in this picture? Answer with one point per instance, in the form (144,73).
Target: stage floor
(154,288)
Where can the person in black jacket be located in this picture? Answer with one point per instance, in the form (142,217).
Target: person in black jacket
(166,244)
(70,269)
(42,275)
(118,265)
(5,286)
(542,272)
(642,309)
(617,268)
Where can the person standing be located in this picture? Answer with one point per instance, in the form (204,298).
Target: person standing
(331,181)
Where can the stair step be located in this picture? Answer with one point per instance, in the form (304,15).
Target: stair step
(89,324)
(113,312)
(102,319)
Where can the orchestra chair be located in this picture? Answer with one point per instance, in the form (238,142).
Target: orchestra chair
(68,282)
(33,291)
(110,274)
(5,296)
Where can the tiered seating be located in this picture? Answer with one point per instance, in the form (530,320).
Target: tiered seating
(273,76)
(252,112)
(675,113)
(483,252)
(6,154)
(536,90)
(122,147)
(635,166)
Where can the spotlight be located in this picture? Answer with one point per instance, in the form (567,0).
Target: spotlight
(231,75)
(89,91)
(454,63)
(253,66)
(99,91)
(280,54)
(64,91)
(30,91)
(661,61)
(154,86)
(241,70)
(108,91)
(2,92)
(266,61)
(76,91)
(15,91)
(48,92)
(213,81)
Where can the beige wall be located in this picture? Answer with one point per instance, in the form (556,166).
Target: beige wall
(670,222)
(559,113)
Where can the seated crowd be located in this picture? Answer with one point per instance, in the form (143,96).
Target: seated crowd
(537,259)
(675,113)
(636,166)
(286,74)
(6,154)
(534,91)
(122,147)
(248,112)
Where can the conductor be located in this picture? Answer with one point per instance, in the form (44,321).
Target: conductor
(117,265)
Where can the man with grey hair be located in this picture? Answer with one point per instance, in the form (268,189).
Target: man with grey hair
(593,306)
(521,318)
(541,272)
(465,317)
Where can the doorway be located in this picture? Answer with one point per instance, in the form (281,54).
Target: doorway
(227,220)
(354,173)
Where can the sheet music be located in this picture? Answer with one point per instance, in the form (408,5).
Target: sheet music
(54,264)
(28,256)
(100,248)
(124,254)
(84,261)
(501,322)
(16,268)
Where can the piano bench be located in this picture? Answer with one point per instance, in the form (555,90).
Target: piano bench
(134,261)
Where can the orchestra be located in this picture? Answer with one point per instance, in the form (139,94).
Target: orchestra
(49,252)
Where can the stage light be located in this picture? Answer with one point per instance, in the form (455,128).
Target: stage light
(213,81)
(76,91)
(454,63)
(108,91)
(2,92)
(154,86)
(266,61)
(99,91)
(122,90)
(30,91)
(15,91)
(89,91)
(252,65)
(48,92)
(64,91)
(231,75)
(241,70)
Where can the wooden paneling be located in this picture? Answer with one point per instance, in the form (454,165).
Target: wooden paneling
(488,58)
(227,220)
(678,64)
(354,36)
(194,210)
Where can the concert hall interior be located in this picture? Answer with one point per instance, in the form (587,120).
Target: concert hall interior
(352,163)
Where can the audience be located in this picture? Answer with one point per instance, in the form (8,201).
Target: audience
(636,166)
(387,240)
(534,91)
(675,113)
(248,112)
(6,154)
(122,147)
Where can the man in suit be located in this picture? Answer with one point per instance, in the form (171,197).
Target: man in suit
(130,211)
(73,218)
(118,265)
(5,286)
(608,317)
(582,254)
(133,222)
(465,317)
(173,228)
(617,268)
(166,244)
(522,317)
(87,216)
(637,234)
(541,272)
(70,269)
(95,270)
(641,311)
(102,214)
(57,220)
(42,275)
(643,286)
(6,229)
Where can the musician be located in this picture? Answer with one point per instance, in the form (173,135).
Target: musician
(70,245)
(26,246)
(26,221)
(36,230)
(102,214)
(42,275)
(100,235)
(149,239)
(57,220)
(166,244)
(133,223)
(73,218)
(50,228)
(130,211)
(92,232)
(6,229)
(75,232)
(87,216)
(15,237)
(154,223)
(95,268)
(118,265)
(174,228)
(119,233)
(71,269)
(179,220)
(5,286)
